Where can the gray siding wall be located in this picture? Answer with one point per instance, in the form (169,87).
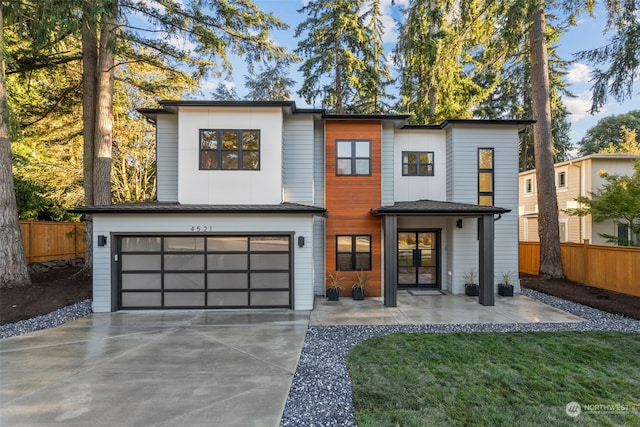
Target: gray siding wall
(167,158)
(298,160)
(318,194)
(462,187)
(387,164)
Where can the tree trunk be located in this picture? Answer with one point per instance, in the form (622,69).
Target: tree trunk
(13,264)
(89,84)
(548,229)
(104,109)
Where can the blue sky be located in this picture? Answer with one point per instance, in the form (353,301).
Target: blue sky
(587,34)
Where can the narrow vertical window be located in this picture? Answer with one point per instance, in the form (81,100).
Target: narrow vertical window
(562,179)
(485,177)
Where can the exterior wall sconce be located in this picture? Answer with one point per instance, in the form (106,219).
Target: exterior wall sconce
(300,241)
(459,223)
(102,240)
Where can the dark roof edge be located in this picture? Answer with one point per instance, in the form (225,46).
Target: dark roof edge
(382,211)
(172,208)
(485,122)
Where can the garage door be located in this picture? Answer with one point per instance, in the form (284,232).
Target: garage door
(204,271)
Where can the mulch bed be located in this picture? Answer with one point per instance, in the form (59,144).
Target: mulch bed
(601,299)
(55,289)
(49,291)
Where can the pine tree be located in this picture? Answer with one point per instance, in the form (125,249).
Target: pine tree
(271,83)
(341,56)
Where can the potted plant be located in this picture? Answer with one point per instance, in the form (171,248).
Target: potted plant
(505,288)
(471,288)
(333,286)
(357,290)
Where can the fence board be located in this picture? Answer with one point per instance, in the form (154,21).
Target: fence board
(615,268)
(52,241)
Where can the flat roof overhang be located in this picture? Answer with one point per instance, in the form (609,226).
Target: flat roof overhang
(437,208)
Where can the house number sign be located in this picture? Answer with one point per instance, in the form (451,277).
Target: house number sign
(202,228)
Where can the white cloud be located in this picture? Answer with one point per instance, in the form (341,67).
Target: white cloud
(579,106)
(579,73)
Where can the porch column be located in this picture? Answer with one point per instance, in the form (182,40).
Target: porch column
(486,229)
(390,224)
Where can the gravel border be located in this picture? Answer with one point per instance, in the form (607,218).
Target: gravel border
(46,321)
(320,393)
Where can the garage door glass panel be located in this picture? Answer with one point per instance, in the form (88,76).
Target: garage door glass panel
(183,281)
(184,299)
(191,244)
(269,298)
(227,281)
(270,244)
(227,244)
(269,280)
(141,281)
(269,261)
(132,262)
(141,244)
(184,262)
(227,262)
(228,299)
(141,299)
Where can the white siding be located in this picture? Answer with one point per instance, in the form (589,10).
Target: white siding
(298,160)
(167,158)
(262,186)
(246,224)
(421,187)
(388,161)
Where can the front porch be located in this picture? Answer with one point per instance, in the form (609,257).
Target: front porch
(434,309)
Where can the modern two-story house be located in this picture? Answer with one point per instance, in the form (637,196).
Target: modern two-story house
(257,201)
(576,177)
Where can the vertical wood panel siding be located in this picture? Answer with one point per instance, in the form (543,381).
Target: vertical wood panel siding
(167,158)
(350,198)
(298,160)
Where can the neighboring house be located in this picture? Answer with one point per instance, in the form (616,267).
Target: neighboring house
(256,201)
(577,177)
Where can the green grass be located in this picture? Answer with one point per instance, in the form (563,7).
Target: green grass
(496,379)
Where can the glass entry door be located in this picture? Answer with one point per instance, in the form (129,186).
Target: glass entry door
(418,258)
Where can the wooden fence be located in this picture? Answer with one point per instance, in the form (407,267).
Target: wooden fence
(53,241)
(615,268)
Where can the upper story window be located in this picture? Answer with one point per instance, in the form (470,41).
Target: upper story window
(561,179)
(528,186)
(353,157)
(353,252)
(417,163)
(222,149)
(485,176)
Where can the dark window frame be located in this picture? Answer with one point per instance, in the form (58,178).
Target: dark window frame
(562,179)
(354,252)
(353,159)
(220,150)
(418,164)
(487,170)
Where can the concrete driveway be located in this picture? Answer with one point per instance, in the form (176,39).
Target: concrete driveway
(178,368)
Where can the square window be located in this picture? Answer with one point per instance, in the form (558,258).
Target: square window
(353,157)
(353,252)
(417,163)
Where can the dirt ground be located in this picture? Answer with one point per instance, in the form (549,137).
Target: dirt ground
(55,289)
(49,291)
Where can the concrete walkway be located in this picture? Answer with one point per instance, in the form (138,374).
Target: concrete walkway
(190,368)
(199,368)
(432,307)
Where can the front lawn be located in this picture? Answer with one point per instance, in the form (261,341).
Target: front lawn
(497,379)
